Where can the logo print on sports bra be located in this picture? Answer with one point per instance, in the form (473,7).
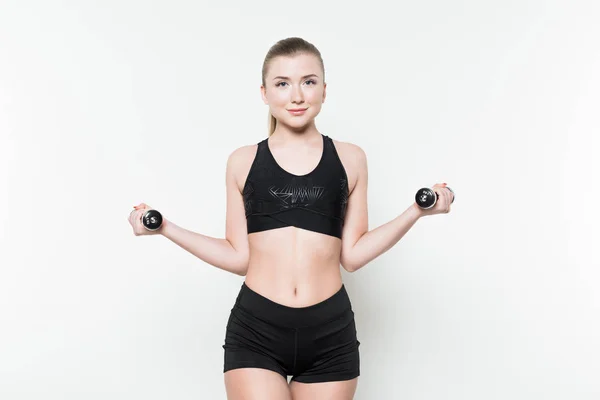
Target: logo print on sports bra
(297,196)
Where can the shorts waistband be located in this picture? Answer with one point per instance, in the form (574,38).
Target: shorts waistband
(293,317)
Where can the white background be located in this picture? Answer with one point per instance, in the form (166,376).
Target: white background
(104,105)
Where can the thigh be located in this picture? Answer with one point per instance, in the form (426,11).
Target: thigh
(256,384)
(336,390)
(328,352)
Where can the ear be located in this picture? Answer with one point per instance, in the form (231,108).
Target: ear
(263,93)
(324,91)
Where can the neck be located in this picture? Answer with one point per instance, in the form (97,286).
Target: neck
(299,135)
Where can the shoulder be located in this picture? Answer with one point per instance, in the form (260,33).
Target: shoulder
(239,163)
(242,155)
(350,152)
(354,161)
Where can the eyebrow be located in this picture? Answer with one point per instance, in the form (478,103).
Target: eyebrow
(304,77)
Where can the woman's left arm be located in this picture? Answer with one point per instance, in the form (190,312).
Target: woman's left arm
(359,245)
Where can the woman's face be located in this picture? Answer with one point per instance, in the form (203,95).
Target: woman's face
(294,83)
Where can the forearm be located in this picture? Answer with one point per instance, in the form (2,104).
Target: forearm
(375,242)
(216,252)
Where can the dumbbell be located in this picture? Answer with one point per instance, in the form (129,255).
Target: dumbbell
(426,197)
(152,220)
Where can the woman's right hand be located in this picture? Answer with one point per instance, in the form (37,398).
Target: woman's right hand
(135,219)
(443,203)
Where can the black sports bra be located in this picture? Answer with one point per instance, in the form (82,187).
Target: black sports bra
(275,198)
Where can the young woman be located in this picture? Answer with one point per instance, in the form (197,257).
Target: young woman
(296,211)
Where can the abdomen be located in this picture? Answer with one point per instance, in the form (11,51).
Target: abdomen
(293,266)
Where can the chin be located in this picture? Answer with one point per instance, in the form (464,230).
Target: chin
(297,126)
(299,123)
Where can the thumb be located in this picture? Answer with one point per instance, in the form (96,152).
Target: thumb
(142,206)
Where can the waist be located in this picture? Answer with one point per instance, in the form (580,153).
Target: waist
(262,307)
(294,287)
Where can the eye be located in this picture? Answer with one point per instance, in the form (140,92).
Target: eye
(313,82)
(279,84)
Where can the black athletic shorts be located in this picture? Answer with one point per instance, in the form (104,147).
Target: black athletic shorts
(312,344)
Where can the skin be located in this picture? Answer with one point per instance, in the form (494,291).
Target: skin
(303,268)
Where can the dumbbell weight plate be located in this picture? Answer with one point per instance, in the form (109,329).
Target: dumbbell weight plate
(426,197)
(152,220)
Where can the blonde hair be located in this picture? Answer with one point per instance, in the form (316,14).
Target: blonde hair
(288,47)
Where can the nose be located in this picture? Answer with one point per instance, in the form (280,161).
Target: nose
(297,95)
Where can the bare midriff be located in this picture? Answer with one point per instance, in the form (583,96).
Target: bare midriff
(294,267)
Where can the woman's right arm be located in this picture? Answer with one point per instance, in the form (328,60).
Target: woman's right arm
(231,253)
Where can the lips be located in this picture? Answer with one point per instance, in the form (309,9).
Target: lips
(297,111)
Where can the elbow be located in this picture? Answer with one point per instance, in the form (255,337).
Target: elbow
(348,265)
(348,268)
(237,260)
(352,264)
(241,267)
(350,256)
(239,270)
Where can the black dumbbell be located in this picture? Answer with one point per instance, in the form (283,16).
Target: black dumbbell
(426,197)
(152,220)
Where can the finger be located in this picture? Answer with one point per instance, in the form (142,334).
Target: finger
(448,198)
(441,199)
(136,218)
(438,197)
(139,226)
(440,188)
(131,217)
(140,214)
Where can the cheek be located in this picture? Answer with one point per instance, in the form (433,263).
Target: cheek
(315,99)
(278,99)
(314,95)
